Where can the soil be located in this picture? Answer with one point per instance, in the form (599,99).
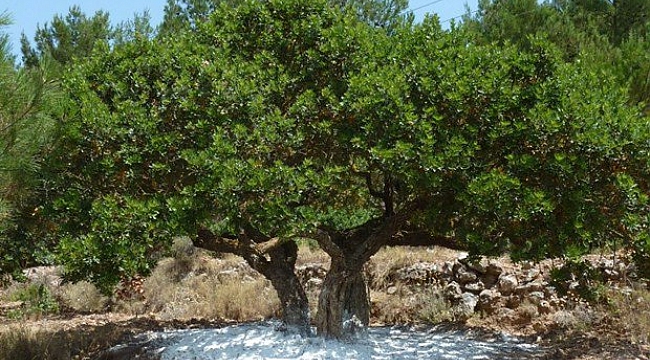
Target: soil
(93,334)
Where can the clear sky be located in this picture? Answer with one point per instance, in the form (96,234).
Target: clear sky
(27,14)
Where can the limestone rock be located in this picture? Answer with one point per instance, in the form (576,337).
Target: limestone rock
(447,269)
(536,297)
(508,284)
(453,292)
(492,273)
(467,304)
(418,274)
(513,302)
(488,300)
(463,275)
(475,287)
(529,288)
(545,307)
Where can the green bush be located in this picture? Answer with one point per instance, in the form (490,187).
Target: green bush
(37,301)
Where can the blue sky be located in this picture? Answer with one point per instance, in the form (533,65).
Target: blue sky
(26,14)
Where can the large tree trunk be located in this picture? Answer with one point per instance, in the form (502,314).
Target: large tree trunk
(343,304)
(293,300)
(276,261)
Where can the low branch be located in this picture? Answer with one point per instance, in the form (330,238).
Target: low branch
(267,246)
(242,245)
(371,190)
(325,241)
(207,240)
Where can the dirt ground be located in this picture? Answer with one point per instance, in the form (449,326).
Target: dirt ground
(71,334)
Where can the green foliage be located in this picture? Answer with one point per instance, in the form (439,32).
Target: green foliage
(5,56)
(385,14)
(181,15)
(611,34)
(120,241)
(581,279)
(285,116)
(606,43)
(37,299)
(131,30)
(67,38)
(530,148)
(28,102)
(185,125)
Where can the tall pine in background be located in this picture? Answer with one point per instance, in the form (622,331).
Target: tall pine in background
(28,99)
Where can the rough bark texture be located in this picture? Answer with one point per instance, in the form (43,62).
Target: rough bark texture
(276,261)
(343,304)
(295,306)
(344,298)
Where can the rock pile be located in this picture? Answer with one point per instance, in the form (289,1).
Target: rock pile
(485,286)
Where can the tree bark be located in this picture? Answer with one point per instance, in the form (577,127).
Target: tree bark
(293,300)
(344,303)
(276,261)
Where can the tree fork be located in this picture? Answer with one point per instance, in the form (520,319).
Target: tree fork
(344,301)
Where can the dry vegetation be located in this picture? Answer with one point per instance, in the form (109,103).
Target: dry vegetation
(192,285)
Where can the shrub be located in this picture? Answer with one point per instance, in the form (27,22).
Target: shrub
(38,301)
(83,297)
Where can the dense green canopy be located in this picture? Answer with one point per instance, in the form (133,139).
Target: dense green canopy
(257,123)
(288,116)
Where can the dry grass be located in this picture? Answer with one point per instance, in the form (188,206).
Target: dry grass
(36,299)
(389,259)
(526,312)
(82,297)
(310,255)
(631,313)
(436,309)
(239,301)
(199,286)
(401,256)
(27,342)
(194,285)
(18,342)
(625,314)
(426,306)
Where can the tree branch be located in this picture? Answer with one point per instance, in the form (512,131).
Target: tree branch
(389,206)
(267,246)
(207,240)
(325,241)
(371,190)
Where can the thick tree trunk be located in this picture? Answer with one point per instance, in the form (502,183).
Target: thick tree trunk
(276,261)
(293,300)
(344,303)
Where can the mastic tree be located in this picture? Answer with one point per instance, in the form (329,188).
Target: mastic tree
(181,15)
(280,120)
(235,134)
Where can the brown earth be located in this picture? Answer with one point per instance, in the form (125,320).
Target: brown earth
(173,298)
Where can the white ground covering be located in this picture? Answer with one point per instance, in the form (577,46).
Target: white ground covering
(261,341)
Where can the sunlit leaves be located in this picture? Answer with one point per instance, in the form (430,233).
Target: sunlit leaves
(287,115)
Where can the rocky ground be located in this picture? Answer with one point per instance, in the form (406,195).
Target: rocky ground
(407,286)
